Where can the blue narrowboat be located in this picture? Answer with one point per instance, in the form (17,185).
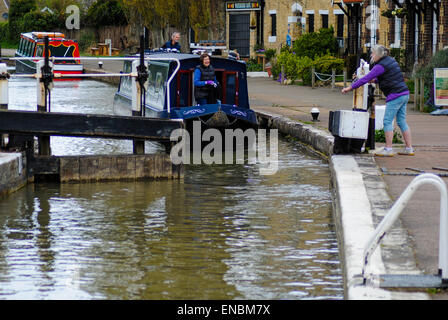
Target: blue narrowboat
(170,92)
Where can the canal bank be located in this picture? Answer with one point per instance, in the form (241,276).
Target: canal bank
(12,172)
(363,192)
(360,200)
(421,216)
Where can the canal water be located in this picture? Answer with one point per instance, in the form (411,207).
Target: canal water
(222,232)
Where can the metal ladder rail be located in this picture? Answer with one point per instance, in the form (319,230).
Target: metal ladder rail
(397,209)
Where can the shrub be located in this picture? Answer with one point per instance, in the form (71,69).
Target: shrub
(381,137)
(304,66)
(326,63)
(411,85)
(289,61)
(275,70)
(270,53)
(41,21)
(316,43)
(439,60)
(4,32)
(252,65)
(17,10)
(106,13)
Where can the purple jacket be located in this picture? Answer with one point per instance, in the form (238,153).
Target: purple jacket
(377,71)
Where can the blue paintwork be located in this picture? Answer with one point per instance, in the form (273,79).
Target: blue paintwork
(188,62)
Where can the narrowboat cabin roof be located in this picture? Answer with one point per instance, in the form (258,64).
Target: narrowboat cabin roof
(177,101)
(39,36)
(230,73)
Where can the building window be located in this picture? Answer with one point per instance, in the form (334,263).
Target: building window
(311,23)
(273,25)
(325,21)
(340,30)
(397,40)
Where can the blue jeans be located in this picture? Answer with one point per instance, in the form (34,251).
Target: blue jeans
(396,108)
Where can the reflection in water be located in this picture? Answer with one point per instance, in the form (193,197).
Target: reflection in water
(223,232)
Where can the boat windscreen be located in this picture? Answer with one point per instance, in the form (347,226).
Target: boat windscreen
(63,50)
(157,78)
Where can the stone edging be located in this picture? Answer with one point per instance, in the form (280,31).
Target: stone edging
(360,201)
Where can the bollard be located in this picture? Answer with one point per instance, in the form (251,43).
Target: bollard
(4,86)
(138,107)
(333,79)
(3,95)
(44,86)
(40,87)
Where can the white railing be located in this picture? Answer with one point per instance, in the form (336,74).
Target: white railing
(38,75)
(396,210)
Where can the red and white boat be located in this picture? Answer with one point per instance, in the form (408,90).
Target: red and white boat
(32,45)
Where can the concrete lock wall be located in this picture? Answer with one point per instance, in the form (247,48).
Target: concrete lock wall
(360,201)
(12,172)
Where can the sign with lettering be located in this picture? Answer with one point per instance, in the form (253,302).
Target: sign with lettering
(441,87)
(234,6)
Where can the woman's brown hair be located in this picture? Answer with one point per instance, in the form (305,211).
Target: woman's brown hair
(203,56)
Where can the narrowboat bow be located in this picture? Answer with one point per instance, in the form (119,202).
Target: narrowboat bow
(230,110)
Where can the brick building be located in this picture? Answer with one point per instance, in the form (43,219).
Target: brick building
(419,30)
(4,8)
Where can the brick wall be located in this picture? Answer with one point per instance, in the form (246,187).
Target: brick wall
(444,24)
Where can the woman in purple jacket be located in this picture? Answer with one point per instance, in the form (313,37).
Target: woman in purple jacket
(386,72)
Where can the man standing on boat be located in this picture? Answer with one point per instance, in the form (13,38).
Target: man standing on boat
(205,83)
(173,43)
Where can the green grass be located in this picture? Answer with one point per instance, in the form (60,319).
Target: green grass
(8,45)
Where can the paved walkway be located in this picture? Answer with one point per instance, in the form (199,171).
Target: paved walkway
(421,216)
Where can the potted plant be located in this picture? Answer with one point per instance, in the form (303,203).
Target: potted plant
(387,13)
(400,12)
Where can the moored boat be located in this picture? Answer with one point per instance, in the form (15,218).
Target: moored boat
(170,92)
(31,45)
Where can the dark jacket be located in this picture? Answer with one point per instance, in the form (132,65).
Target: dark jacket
(169,45)
(391,81)
(207,73)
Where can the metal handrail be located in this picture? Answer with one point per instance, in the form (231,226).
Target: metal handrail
(397,209)
(85,75)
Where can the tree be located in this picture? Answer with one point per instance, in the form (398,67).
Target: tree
(17,10)
(199,12)
(160,15)
(106,13)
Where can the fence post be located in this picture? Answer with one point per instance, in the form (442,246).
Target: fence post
(333,79)
(422,94)
(345,77)
(282,78)
(416,93)
(313,77)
